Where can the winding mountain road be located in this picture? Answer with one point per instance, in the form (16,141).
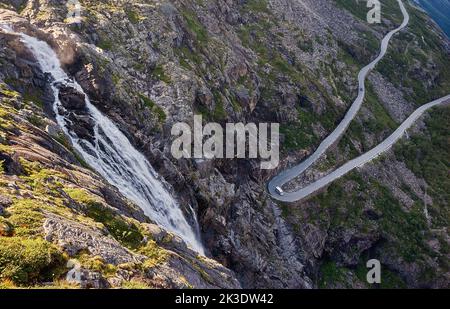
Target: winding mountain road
(288,175)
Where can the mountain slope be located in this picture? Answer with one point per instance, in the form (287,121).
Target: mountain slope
(149,64)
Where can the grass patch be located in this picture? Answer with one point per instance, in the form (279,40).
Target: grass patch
(194,25)
(126,233)
(156,255)
(27,261)
(160,74)
(149,103)
(133,16)
(330,274)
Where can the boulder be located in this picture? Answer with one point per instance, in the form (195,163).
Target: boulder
(71,99)
(205,97)
(5,201)
(85,278)
(243,96)
(74,237)
(83,126)
(158,234)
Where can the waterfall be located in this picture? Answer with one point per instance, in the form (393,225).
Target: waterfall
(112,155)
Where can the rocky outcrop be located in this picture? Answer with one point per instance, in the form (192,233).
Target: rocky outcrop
(182,267)
(73,238)
(71,99)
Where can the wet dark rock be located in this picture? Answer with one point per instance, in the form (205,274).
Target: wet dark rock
(82,125)
(71,99)
(372,214)
(205,97)
(18,3)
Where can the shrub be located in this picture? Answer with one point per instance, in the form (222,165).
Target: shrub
(26,217)
(25,261)
(154,108)
(126,233)
(96,263)
(156,255)
(160,74)
(135,285)
(133,16)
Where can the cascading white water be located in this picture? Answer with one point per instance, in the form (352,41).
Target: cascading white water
(112,155)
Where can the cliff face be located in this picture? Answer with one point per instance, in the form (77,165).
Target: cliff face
(60,223)
(149,64)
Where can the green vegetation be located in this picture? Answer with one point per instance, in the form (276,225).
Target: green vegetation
(219,111)
(331,274)
(132,15)
(300,135)
(389,8)
(160,74)
(125,232)
(40,190)
(296,136)
(277,65)
(256,6)
(186,55)
(358,9)
(41,179)
(379,122)
(26,217)
(154,108)
(391,280)
(30,95)
(357,56)
(407,63)
(156,255)
(135,285)
(305,45)
(405,230)
(105,44)
(4,90)
(195,26)
(28,261)
(63,140)
(34,95)
(37,121)
(97,264)
(428,156)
